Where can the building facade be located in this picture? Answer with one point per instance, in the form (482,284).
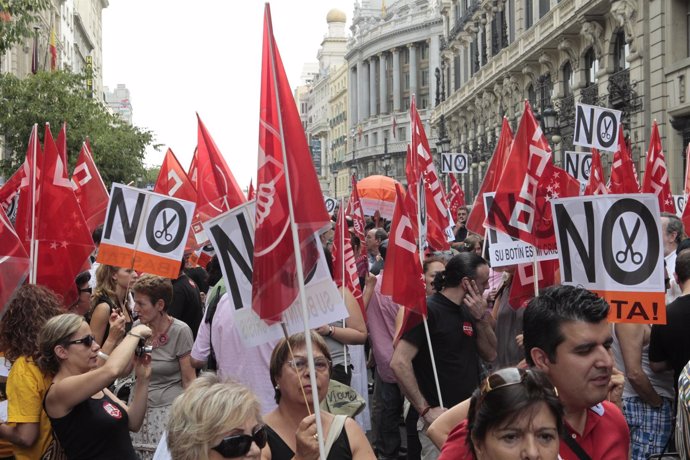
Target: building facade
(392,56)
(118,102)
(630,55)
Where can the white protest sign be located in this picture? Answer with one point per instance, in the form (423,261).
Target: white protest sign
(596,127)
(331,204)
(505,250)
(232,236)
(578,165)
(612,245)
(458,163)
(679,201)
(145,231)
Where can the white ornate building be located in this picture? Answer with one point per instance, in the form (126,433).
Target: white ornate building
(632,55)
(392,54)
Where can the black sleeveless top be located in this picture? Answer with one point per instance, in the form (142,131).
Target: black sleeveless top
(95,428)
(340,450)
(105,299)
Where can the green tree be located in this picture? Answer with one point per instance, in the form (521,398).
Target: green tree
(17,18)
(55,97)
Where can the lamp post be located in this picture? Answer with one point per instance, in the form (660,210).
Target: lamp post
(549,121)
(386,157)
(334,178)
(443,142)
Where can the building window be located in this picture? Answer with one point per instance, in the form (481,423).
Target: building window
(456,72)
(406,55)
(568,80)
(407,80)
(424,51)
(687,28)
(424,102)
(366,140)
(511,21)
(406,103)
(544,6)
(591,67)
(528,14)
(402,134)
(532,96)
(425,79)
(620,52)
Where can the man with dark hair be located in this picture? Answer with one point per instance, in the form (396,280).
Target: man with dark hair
(460,335)
(373,240)
(82,305)
(567,336)
(671,234)
(669,345)
(459,229)
(186,301)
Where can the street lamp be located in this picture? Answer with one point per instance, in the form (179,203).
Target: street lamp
(386,157)
(334,172)
(443,142)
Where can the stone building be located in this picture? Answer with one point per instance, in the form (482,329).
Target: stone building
(631,55)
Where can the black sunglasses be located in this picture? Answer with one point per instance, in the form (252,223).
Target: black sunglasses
(89,290)
(238,445)
(87,341)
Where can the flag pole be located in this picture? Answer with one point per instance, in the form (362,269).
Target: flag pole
(298,257)
(420,249)
(342,262)
(33,248)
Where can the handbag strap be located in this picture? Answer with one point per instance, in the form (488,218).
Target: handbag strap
(334,432)
(575,447)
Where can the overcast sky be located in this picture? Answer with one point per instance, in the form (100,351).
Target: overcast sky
(178,58)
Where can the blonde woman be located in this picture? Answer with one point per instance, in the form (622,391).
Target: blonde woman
(88,419)
(111,295)
(215,419)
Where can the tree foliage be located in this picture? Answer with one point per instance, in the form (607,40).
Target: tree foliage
(55,97)
(17,18)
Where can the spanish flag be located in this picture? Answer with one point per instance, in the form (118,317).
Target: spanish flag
(53,50)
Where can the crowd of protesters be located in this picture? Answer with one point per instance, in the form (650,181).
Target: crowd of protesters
(146,367)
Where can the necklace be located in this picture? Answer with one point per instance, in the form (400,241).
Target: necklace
(162,339)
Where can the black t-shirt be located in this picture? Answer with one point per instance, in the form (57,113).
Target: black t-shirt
(670,342)
(460,234)
(453,338)
(186,303)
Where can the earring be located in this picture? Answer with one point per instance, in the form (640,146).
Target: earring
(277,387)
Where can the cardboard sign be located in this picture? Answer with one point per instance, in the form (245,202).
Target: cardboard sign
(612,245)
(596,127)
(679,201)
(505,250)
(458,163)
(232,236)
(331,204)
(145,231)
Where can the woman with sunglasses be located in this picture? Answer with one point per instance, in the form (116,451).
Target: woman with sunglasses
(215,419)
(89,420)
(290,427)
(26,313)
(514,414)
(111,295)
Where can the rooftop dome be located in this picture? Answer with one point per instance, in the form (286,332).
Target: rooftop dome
(336,15)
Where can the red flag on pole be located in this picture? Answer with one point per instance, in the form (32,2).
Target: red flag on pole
(456,197)
(192,173)
(344,258)
(63,239)
(9,194)
(285,189)
(553,183)
(655,178)
(522,286)
(53,50)
(440,221)
(354,209)
(251,194)
(89,189)
(403,278)
(217,190)
(596,184)
(623,175)
(475,221)
(62,144)
(14,261)
(514,207)
(28,195)
(173,181)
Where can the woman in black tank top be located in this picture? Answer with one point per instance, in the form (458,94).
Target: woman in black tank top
(111,294)
(88,420)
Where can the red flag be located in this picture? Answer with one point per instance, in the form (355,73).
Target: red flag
(53,50)
(655,178)
(192,173)
(9,194)
(438,217)
(623,175)
(596,184)
(63,239)
(687,170)
(62,144)
(403,278)
(285,190)
(14,262)
(553,183)
(250,193)
(89,189)
(522,286)
(344,258)
(354,209)
(28,194)
(514,207)
(456,197)
(217,190)
(475,221)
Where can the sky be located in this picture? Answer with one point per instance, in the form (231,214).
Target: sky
(178,58)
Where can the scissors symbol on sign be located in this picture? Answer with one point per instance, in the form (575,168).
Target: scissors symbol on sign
(622,256)
(166,225)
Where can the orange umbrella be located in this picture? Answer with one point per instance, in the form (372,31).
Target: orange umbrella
(377,193)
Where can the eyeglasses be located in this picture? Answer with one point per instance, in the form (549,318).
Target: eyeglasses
(88,289)
(87,341)
(506,377)
(321,364)
(238,445)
